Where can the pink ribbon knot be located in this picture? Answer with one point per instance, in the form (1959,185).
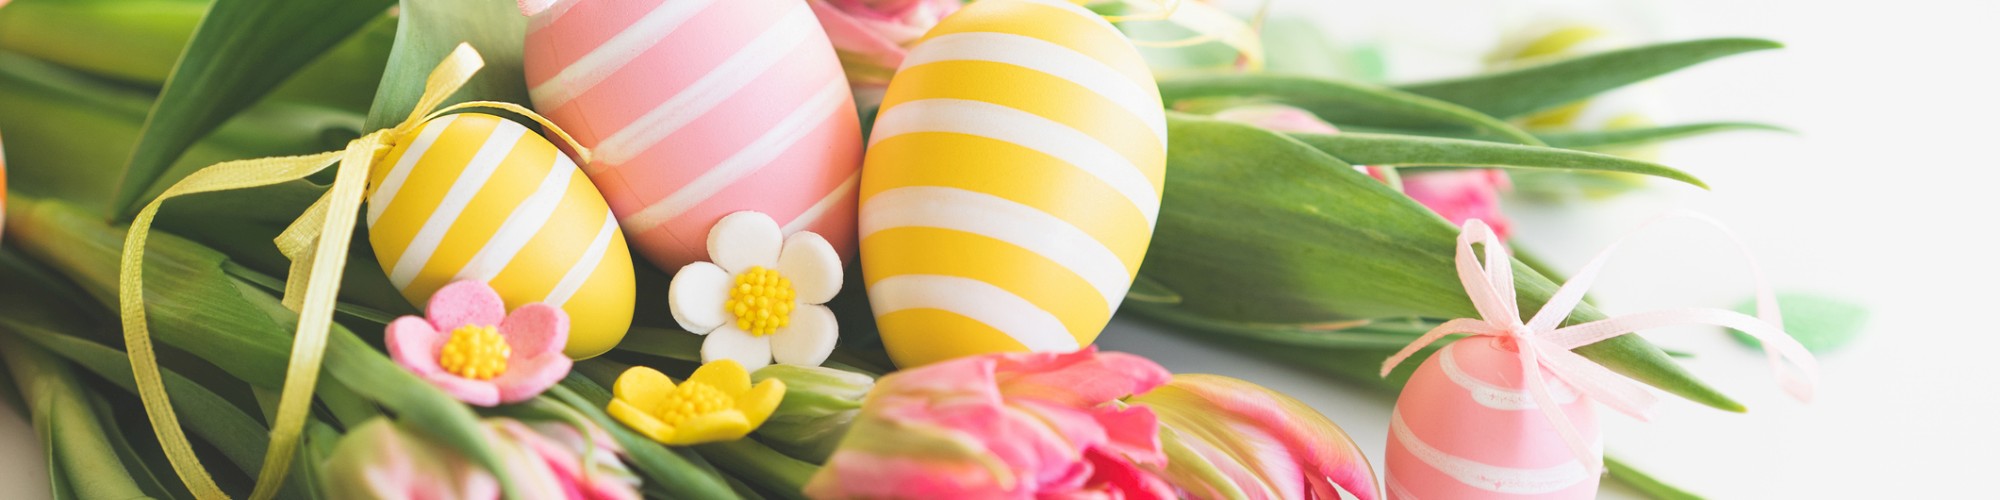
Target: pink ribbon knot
(1541,344)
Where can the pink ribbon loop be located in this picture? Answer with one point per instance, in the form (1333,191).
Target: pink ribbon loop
(1544,346)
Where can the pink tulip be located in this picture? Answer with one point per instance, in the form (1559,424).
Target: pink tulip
(382,460)
(1458,195)
(1461,195)
(1015,425)
(473,349)
(559,449)
(873,36)
(1227,438)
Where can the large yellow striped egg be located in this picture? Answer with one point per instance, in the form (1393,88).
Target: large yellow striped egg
(477,197)
(1011,183)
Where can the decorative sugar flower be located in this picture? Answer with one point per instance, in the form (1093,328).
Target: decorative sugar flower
(473,349)
(716,403)
(763,296)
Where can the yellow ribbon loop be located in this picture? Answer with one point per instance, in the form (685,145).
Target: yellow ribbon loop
(316,243)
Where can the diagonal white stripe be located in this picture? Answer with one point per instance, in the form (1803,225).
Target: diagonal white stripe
(400,173)
(1494,396)
(780,138)
(979,300)
(819,209)
(1052,59)
(1027,130)
(521,225)
(622,48)
(1494,478)
(579,273)
(740,70)
(1002,219)
(477,171)
(1397,491)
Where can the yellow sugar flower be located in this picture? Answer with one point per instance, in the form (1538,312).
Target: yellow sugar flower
(717,403)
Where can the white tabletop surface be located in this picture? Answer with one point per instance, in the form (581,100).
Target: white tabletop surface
(1884,197)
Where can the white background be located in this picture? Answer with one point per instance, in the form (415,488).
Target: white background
(1886,197)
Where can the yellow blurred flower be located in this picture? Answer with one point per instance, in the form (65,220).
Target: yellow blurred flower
(717,403)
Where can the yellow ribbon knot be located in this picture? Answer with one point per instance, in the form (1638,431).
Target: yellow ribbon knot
(316,243)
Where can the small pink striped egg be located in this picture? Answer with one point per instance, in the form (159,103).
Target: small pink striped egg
(696,109)
(1464,428)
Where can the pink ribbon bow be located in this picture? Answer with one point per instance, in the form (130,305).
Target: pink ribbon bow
(1541,344)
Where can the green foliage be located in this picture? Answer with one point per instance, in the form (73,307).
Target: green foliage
(1331,244)
(1341,102)
(242,50)
(1513,93)
(1412,151)
(430,30)
(1636,137)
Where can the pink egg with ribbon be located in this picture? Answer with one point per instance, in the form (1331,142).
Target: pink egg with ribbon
(695,109)
(1508,412)
(1466,427)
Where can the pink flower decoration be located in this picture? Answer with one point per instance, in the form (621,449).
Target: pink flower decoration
(1462,195)
(534,336)
(1012,425)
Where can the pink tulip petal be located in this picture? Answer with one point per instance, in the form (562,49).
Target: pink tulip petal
(535,328)
(1081,378)
(1462,195)
(1130,431)
(527,378)
(1115,475)
(853,37)
(414,343)
(472,392)
(1316,443)
(465,303)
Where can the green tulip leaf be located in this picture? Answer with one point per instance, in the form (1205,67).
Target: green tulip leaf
(429,30)
(242,50)
(1512,93)
(1635,137)
(1341,102)
(1413,151)
(1328,244)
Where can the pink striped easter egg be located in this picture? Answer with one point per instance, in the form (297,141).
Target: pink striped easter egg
(1464,428)
(696,109)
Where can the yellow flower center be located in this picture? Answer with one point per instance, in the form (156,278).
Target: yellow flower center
(762,301)
(691,399)
(475,352)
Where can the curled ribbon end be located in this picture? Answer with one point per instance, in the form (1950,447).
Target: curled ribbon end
(471,56)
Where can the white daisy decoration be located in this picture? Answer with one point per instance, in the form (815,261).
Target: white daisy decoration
(763,295)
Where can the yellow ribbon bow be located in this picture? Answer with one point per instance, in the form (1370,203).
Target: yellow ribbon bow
(316,243)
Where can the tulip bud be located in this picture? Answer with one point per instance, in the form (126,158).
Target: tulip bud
(1227,438)
(819,406)
(381,460)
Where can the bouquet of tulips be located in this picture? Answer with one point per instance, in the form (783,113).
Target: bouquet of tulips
(165,347)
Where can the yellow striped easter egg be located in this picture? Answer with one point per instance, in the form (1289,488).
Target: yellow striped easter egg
(1011,183)
(477,197)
